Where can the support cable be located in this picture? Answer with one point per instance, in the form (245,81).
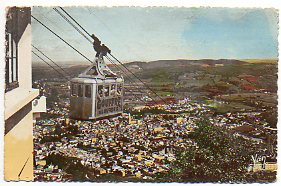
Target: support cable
(75,22)
(138,79)
(51,66)
(61,38)
(77,29)
(129,78)
(51,61)
(114,57)
(68,45)
(135,95)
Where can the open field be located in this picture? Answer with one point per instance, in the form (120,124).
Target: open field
(259,61)
(244,86)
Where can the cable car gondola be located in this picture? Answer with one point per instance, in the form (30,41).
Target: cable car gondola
(96,93)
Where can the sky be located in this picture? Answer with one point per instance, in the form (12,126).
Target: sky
(147,34)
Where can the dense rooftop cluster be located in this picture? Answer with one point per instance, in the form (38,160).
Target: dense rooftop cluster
(124,146)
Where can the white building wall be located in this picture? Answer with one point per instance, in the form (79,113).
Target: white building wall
(39,105)
(18,97)
(24,60)
(18,139)
(18,157)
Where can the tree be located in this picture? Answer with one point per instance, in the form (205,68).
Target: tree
(217,156)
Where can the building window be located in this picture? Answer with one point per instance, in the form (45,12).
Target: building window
(80,90)
(113,90)
(11,57)
(74,90)
(106,90)
(99,104)
(88,91)
(100,91)
(119,89)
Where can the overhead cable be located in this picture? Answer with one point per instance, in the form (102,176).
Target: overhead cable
(138,78)
(61,38)
(111,61)
(75,22)
(51,66)
(51,60)
(77,29)
(114,57)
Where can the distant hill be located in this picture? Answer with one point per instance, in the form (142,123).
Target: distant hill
(42,71)
(183,62)
(265,61)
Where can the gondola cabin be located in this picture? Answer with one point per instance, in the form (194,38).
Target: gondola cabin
(96,93)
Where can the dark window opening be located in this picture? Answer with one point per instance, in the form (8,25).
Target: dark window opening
(106,90)
(11,57)
(88,91)
(100,91)
(80,90)
(119,89)
(113,90)
(17,19)
(74,90)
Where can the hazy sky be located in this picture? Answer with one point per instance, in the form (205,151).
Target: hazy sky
(146,34)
